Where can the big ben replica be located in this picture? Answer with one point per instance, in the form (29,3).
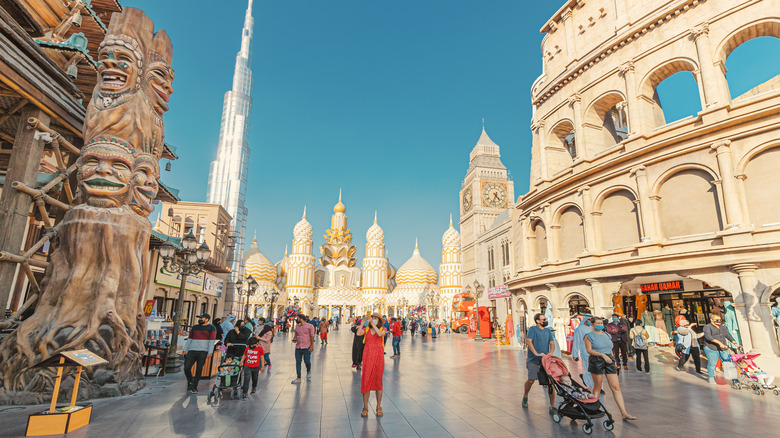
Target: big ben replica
(487,191)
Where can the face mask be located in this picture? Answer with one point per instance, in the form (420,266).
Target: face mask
(376,321)
(201,321)
(545,324)
(598,327)
(615,319)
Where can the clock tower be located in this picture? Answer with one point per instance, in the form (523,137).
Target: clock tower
(487,191)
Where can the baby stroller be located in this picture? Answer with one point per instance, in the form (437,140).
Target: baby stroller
(578,403)
(745,379)
(230,376)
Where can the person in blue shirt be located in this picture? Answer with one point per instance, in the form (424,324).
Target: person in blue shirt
(539,342)
(386,325)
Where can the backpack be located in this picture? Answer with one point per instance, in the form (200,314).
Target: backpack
(640,343)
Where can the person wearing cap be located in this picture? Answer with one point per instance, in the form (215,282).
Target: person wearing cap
(197,347)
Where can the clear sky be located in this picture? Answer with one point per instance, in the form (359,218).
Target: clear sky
(383,99)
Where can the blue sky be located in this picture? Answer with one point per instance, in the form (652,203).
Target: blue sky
(383,99)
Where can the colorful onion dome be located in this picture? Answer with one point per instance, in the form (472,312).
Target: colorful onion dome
(258,266)
(451,237)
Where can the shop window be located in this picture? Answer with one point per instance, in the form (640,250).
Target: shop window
(762,189)
(619,220)
(749,71)
(689,204)
(572,234)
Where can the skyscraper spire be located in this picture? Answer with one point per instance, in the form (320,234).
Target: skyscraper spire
(228,173)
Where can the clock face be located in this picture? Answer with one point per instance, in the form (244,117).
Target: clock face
(494,195)
(468,201)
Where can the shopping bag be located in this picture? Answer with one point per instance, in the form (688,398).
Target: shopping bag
(730,371)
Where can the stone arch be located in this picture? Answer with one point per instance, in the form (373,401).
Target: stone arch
(566,299)
(759,28)
(617,216)
(560,146)
(606,121)
(647,90)
(571,234)
(538,231)
(692,211)
(757,170)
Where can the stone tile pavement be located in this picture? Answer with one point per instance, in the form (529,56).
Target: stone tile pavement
(450,387)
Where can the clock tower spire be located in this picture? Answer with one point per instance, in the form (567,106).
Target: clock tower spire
(487,190)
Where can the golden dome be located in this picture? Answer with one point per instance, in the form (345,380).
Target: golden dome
(258,266)
(375,232)
(416,271)
(339,208)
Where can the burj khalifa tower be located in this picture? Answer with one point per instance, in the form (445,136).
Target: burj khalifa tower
(228,173)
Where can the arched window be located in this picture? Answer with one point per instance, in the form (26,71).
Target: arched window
(749,71)
(761,188)
(572,235)
(678,97)
(606,122)
(619,220)
(689,204)
(671,93)
(560,147)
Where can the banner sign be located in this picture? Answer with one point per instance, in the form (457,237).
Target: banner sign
(667,286)
(498,292)
(149,307)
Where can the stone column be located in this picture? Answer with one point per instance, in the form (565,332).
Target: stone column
(587,218)
(649,226)
(728,183)
(541,135)
(758,331)
(552,233)
(575,101)
(742,194)
(601,305)
(712,84)
(23,165)
(634,109)
(568,28)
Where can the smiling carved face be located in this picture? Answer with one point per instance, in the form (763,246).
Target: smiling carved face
(118,69)
(104,174)
(144,184)
(158,80)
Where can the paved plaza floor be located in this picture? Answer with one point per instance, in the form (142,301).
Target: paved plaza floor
(452,386)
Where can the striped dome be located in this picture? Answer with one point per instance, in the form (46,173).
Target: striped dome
(375,232)
(303,229)
(416,271)
(451,236)
(258,266)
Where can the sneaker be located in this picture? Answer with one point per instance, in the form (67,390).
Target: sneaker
(254,390)
(647,372)
(296,381)
(193,391)
(354,366)
(712,380)
(625,367)
(308,376)
(525,402)
(269,368)
(243,397)
(553,411)
(678,368)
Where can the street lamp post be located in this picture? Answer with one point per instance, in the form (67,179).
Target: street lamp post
(404,304)
(271,298)
(478,291)
(190,260)
(246,291)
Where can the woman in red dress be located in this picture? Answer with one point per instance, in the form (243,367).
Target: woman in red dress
(373,361)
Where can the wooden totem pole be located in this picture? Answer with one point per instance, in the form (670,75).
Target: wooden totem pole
(93,290)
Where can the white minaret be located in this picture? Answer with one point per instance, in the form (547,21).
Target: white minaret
(375,268)
(450,268)
(300,265)
(228,173)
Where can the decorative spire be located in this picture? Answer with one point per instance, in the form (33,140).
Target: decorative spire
(254,239)
(304,212)
(415,244)
(339,194)
(450,219)
(374,216)
(285,250)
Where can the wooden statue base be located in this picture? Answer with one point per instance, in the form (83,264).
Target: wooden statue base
(58,423)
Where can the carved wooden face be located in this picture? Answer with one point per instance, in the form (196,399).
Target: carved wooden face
(144,185)
(117,69)
(104,174)
(158,80)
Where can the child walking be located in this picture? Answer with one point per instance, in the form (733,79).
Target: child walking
(253,362)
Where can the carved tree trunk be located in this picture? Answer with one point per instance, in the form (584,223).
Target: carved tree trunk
(92,298)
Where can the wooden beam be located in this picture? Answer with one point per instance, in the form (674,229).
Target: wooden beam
(11,111)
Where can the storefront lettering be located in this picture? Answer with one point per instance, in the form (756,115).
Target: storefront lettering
(662,287)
